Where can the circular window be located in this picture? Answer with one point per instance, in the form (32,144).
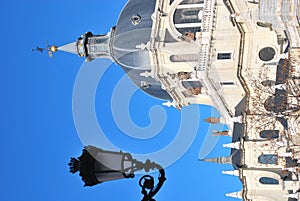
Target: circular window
(136,19)
(267,54)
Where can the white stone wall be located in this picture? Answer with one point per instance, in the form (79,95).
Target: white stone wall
(226,39)
(258,118)
(256,191)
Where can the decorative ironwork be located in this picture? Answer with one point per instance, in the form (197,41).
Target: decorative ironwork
(96,166)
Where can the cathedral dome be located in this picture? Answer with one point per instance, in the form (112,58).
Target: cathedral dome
(129,45)
(133,29)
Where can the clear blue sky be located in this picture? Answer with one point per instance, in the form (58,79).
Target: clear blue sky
(38,131)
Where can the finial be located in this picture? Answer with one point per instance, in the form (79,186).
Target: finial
(169,104)
(294,195)
(222,133)
(53,48)
(231,172)
(235,195)
(233,145)
(212,120)
(219,160)
(49,49)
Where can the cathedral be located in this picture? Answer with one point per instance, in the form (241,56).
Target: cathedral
(240,56)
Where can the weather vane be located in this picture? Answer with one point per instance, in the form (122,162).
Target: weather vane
(48,48)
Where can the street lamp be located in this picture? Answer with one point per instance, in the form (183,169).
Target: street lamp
(97,165)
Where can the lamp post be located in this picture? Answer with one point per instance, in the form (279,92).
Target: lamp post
(96,166)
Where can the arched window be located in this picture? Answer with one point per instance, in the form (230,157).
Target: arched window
(270,134)
(192,1)
(268,180)
(184,58)
(268,159)
(188,16)
(192,87)
(224,56)
(191,84)
(100,40)
(264,24)
(191,12)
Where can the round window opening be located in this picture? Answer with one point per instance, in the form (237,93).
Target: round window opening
(267,54)
(136,19)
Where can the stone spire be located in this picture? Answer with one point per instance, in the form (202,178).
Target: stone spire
(231,172)
(238,119)
(70,48)
(220,160)
(222,133)
(235,195)
(221,120)
(233,145)
(294,195)
(212,120)
(169,104)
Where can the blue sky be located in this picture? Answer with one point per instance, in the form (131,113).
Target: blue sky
(38,131)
